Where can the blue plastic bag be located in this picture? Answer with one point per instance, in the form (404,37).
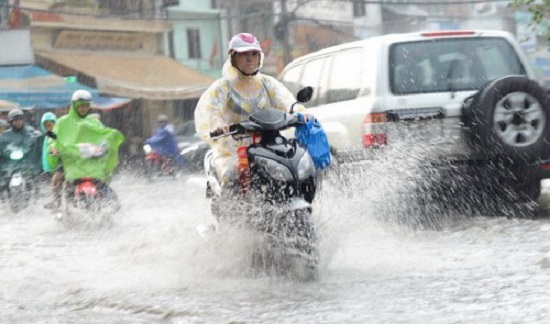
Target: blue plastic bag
(312,135)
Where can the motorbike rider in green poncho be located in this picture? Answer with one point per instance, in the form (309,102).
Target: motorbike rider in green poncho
(82,145)
(18,138)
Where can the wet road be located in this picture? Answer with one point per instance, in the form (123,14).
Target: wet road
(152,267)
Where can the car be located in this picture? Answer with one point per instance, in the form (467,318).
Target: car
(458,102)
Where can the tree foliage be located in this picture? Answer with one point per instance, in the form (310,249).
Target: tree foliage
(540,10)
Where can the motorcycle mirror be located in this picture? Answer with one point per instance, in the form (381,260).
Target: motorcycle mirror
(303,95)
(16,155)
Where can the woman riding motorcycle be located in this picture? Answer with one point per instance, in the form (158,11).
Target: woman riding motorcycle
(241,91)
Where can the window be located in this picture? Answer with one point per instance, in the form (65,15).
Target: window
(343,85)
(459,64)
(359,8)
(313,77)
(194,43)
(291,78)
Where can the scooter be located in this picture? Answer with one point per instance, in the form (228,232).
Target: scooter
(157,165)
(19,188)
(87,200)
(275,188)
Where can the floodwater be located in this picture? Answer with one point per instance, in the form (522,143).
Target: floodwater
(153,267)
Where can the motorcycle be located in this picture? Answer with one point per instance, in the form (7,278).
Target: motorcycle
(275,187)
(17,175)
(192,148)
(157,165)
(193,153)
(87,200)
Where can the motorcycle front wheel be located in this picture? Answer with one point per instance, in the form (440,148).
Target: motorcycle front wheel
(19,198)
(291,246)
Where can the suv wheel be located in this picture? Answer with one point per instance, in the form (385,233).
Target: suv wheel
(510,116)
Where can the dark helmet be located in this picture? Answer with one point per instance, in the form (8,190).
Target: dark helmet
(15,114)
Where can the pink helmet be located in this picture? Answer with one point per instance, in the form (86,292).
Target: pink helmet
(244,42)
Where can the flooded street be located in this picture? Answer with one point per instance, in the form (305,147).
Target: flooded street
(153,267)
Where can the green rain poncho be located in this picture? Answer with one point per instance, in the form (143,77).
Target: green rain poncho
(87,148)
(46,140)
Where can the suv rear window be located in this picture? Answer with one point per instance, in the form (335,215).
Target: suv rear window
(450,64)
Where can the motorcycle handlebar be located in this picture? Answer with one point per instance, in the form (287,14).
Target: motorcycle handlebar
(219,133)
(216,133)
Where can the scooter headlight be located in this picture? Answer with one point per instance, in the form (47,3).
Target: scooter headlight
(147,149)
(276,170)
(306,168)
(16,155)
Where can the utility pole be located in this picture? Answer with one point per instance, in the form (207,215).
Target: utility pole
(286,42)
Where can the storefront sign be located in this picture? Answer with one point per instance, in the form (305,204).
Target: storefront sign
(326,10)
(92,40)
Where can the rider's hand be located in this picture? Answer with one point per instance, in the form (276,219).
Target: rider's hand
(54,151)
(307,117)
(223,129)
(304,117)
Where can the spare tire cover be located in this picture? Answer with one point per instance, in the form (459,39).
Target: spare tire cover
(510,116)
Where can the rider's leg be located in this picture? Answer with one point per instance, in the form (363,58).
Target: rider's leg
(57,188)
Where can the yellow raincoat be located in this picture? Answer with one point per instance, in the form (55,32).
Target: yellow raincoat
(230,100)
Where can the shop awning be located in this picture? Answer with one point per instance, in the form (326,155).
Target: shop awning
(7,105)
(148,77)
(30,86)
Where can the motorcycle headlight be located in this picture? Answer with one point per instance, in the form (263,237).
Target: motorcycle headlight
(147,148)
(306,168)
(16,155)
(276,170)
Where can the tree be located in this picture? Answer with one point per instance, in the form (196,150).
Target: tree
(540,10)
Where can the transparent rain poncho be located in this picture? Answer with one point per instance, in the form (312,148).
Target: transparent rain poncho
(230,100)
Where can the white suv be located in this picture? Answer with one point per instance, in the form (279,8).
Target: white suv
(460,96)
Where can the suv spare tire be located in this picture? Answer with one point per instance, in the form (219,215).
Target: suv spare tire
(510,116)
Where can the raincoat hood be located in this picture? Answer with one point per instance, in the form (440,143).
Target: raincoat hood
(73,111)
(47,117)
(231,72)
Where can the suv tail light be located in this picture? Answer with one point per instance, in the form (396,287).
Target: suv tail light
(374,130)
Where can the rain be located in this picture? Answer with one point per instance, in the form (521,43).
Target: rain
(404,233)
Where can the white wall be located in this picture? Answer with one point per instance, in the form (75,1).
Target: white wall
(19,44)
